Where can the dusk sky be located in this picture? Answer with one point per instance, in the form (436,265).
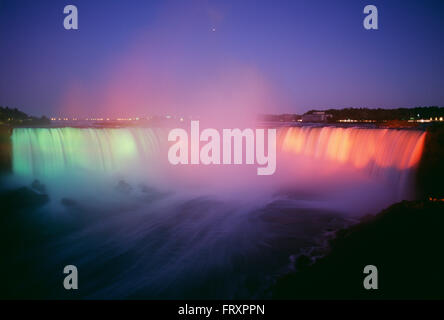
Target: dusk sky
(137,58)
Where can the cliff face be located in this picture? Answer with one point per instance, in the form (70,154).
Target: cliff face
(430,174)
(404,242)
(5,149)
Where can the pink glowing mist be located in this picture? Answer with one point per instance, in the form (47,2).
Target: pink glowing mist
(159,72)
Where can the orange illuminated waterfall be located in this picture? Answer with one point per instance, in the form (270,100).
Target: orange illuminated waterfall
(384,148)
(348,169)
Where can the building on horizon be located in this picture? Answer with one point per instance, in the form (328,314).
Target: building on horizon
(317,116)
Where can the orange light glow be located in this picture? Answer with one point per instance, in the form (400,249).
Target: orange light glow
(359,147)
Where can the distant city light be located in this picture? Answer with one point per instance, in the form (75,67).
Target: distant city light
(182,119)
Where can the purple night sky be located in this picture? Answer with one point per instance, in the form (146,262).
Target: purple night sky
(137,58)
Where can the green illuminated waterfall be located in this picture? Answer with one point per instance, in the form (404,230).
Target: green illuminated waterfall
(46,152)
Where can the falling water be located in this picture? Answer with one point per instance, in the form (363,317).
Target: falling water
(152,240)
(344,162)
(46,152)
(360,148)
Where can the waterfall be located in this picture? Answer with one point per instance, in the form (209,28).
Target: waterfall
(387,157)
(383,148)
(326,161)
(120,211)
(41,152)
(46,152)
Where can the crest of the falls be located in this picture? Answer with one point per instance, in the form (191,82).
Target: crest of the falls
(45,152)
(334,166)
(358,147)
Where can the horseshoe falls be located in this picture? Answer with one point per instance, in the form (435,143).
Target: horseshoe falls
(138,227)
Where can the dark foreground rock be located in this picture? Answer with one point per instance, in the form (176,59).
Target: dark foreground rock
(430,174)
(5,149)
(405,242)
(21,198)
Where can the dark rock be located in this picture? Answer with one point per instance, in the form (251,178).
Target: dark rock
(302,262)
(430,173)
(5,149)
(404,242)
(68,202)
(38,186)
(21,198)
(123,187)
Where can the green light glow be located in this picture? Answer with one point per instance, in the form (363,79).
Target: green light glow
(46,152)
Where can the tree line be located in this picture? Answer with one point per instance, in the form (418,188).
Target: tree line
(380,114)
(13,116)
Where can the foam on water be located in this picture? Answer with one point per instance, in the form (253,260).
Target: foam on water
(138,227)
